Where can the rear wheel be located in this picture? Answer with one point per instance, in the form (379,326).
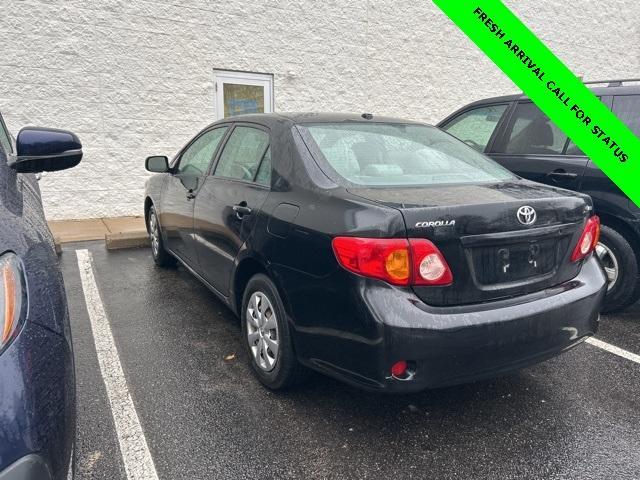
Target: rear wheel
(267,335)
(159,253)
(621,266)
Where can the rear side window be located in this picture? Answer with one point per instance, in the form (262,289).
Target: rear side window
(627,108)
(389,154)
(264,171)
(531,132)
(243,154)
(5,140)
(196,158)
(475,127)
(573,149)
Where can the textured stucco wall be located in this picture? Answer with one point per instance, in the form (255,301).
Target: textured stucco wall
(134,77)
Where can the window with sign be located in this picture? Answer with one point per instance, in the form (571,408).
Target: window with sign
(241,93)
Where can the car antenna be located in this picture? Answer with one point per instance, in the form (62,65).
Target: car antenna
(367,116)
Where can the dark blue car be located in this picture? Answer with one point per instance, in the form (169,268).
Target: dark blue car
(37,383)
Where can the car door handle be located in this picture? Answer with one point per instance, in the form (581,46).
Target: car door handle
(562,175)
(241,210)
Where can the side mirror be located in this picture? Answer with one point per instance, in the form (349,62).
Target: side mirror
(46,150)
(157,164)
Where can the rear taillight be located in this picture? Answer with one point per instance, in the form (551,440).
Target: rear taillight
(386,259)
(429,265)
(588,240)
(12,298)
(396,261)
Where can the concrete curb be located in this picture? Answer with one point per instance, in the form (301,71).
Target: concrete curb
(118,232)
(117,241)
(57,242)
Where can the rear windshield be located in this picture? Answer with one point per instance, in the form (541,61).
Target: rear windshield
(389,154)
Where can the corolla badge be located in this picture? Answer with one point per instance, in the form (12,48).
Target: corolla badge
(436,223)
(527,215)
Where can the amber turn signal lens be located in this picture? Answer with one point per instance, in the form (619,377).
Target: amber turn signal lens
(12,298)
(9,283)
(397,265)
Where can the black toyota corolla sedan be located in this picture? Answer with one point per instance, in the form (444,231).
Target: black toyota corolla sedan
(379,251)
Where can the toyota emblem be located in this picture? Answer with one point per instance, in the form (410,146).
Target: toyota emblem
(527,215)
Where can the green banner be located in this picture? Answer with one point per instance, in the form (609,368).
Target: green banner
(552,87)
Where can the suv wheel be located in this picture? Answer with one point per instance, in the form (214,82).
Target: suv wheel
(267,335)
(621,265)
(159,253)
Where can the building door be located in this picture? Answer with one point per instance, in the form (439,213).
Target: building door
(239,93)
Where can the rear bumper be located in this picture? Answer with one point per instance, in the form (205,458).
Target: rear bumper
(460,344)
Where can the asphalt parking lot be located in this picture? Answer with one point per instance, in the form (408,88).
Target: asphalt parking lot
(202,415)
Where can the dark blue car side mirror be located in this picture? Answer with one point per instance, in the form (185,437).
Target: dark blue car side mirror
(46,150)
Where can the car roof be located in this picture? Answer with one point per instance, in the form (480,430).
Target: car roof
(598,91)
(293,118)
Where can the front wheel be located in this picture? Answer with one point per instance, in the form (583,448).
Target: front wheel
(621,266)
(161,257)
(267,335)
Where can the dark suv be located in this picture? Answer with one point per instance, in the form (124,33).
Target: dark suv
(515,133)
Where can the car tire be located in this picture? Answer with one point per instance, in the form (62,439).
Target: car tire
(265,327)
(161,256)
(621,264)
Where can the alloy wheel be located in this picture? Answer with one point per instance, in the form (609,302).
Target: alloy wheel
(154,233)
(262,331)
(610,264)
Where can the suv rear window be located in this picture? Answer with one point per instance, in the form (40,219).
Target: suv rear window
(388,154)
(627,108)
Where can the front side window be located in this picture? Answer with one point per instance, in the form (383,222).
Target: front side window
(243,154)
(5,140)
(196,158)
(531,132)
(388,154)
(475,127)
(627,109)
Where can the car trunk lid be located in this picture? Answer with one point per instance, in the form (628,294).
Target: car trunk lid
(482,232)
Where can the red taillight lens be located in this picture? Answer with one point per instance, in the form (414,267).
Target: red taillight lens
(399,369)
(588,240)
(397,261)
(12,298)
(386,259)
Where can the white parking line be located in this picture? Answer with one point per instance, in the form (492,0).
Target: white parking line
(133,444)
(613,349)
